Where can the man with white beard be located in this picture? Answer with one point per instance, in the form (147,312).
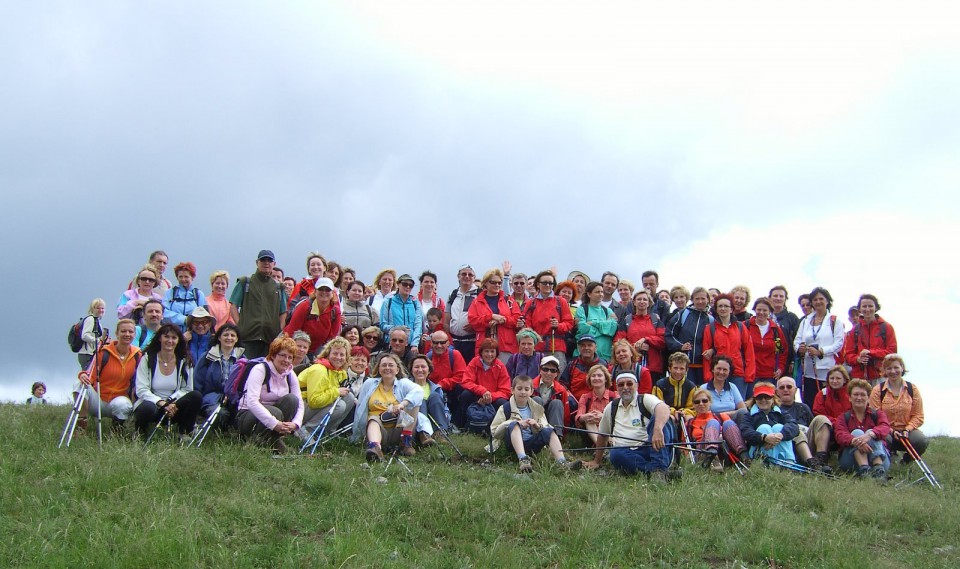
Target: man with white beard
(639,432)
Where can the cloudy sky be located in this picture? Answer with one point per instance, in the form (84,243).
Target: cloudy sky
(758,144)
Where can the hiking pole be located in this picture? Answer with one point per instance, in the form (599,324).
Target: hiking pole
(335,434)
(201,433)
(735,460)
(320,428)
(99,363)
(795,466)
(393,455)
(642,445)
(72,419)
(446,436)
(927,473)
(155,428)
(685,439)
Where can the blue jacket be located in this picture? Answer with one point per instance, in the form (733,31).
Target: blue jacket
(687,326)
(402,389)
(396,312)
(198,347)
(748,423)
(211,373)
(179,302)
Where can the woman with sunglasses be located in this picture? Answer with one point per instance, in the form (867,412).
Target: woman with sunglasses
(710,427)
(495,315)
(553,396)
(131,302)
(765,428)
(549,316)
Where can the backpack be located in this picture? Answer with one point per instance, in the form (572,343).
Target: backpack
(235,386)
(859,328)
(644,414)
(480,416)
(75,335)
(449,355)
(713,338)
(883,390)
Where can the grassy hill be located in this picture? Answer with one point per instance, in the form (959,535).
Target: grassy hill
(229,505)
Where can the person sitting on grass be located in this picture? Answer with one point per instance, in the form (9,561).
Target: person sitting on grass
(523,423)
(812,445)
(164,383)
(766,429)
(640,432)
(592,403)
(485,382)
(676,390)
(710,427)
(387,409)
(271,406)
(322,386)
(553,395)
(861,434)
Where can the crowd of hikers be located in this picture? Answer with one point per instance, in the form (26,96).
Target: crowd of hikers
(642,376)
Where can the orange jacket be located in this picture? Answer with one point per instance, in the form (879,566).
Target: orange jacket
(696,425)
(117,374)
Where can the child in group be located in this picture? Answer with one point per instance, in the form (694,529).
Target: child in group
(523,423)
(38,390)
(433,324)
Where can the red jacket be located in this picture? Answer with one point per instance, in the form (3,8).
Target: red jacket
(322,327)
(769,351)
(642,327)
(831,403)
(537,315)
(869,337)
(495,379)
(731,343)
(479,316)
(443,374)
(843,426)
(561,394)
(574,376)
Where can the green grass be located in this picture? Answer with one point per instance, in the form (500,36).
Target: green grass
(230,505)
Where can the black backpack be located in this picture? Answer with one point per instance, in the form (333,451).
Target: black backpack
(75,334)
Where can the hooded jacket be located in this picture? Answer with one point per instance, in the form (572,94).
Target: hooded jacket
(479,316)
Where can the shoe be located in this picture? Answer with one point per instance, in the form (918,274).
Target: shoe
(879,472)
(905,459)
(454,430)
(863,472)
(526,467)
(574,465)
(185,438)
(660,476)
(374,453)
(279,447)
(425,440)
(117,427)
(813,463)
(406,446)
(706,459)
(81,426)
(744,457)
(716,466)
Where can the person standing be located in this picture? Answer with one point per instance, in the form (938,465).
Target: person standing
(455,319)
(259,304)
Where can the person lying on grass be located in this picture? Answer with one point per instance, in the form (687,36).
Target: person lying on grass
(639,431)
(522,422)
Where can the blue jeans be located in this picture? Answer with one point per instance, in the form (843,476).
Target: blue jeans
(644,458)
(783,450)
(848,463)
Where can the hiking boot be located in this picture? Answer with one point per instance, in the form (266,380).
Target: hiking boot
(863,472)
(706,459)
(117,427)
(744,457)
(661,476)
(278,446)
(813,463)
(406,446)
(454,430)
(526,467)
(716,466)
(374,453)
(824,459)
(905,459)
(81,426)
(574,465)
(879,472)
(425,440)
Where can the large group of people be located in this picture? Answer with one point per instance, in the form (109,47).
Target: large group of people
(532,361)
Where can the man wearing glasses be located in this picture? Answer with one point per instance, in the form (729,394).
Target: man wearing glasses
(455,317)
(403,309)
(639,432)
(816,433)
(448,369)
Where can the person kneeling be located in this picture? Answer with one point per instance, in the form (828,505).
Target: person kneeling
(640,431)
(523,422)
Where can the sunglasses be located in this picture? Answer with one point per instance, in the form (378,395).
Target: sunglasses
(785,387)
(439,342)
(763,397)
(148,279)
(547,283)
(625,384)
(498,283)
(369,337)
(699,401)
(550,369)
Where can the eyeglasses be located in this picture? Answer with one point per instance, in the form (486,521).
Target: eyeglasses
(699,401)
(547,283)
(625,384)
(498,283)
(440,342)
(148,279)
(406,283)
(549,370)
(397,341)
(786,387)
(370,337)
